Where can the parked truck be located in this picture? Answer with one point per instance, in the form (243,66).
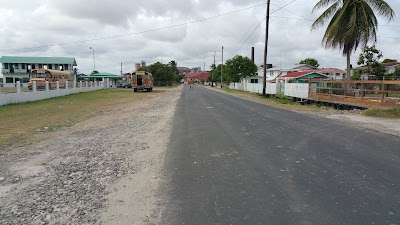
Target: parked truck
(142,81)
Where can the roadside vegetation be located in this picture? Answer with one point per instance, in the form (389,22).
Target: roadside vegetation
(390,113)
(21,121)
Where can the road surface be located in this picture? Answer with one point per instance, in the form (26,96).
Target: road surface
(232,161)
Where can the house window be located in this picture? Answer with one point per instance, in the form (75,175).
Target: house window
(23,66)
(33,66)
(25,79)
(40,66)
(254,81)
(6,66)
(66,67)
(56,67)
(50,66)
(16,66)
(9,80)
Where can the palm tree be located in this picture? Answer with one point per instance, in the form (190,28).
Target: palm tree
(353,23)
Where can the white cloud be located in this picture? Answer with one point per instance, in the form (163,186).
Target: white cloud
(87,23)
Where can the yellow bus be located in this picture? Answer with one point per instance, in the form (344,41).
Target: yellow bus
(142,80)
(43,75)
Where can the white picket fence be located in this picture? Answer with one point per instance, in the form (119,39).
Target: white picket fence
(35,95)
(271,88)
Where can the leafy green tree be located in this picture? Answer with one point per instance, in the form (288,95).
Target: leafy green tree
(356,75)
(310,62)
(389,60)
(352,22)
(239,67)
(370,57)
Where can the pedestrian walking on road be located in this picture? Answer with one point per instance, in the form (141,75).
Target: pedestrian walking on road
(191,84)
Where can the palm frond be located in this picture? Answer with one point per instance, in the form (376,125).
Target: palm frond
(382,8)
(323,3)
(324,16)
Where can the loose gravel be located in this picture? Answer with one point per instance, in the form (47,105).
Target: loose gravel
(66,179)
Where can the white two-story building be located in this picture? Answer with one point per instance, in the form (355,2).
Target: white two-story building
(18,68)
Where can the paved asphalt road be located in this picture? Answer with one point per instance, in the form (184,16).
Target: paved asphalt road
(233,161)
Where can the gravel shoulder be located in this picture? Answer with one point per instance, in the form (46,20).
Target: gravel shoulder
(104,170)
(353,118)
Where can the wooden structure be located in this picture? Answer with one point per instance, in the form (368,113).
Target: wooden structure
(361,93)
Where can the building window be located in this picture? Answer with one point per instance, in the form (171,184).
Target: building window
(6,66)
(9,80)
(66,67)
(23,66)
(33,66)
(40,66)
(25,80)
(254,81)
(16,66)
(56,67)
(50,66)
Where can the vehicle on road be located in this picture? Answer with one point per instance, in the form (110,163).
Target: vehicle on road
(40,76)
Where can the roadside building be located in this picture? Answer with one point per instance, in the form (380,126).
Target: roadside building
(199,77)
(389,67)
(113,78)
(303,77)
(18,68)
(183,70)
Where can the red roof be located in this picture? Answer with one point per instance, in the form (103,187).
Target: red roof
(198,75)
(296,74)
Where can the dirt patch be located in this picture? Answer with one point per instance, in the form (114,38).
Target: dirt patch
(82,174)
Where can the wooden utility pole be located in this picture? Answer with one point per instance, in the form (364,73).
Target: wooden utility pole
(222,64)
(266,48)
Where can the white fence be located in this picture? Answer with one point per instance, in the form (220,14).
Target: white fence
(296,90)
(255,88)
(34,95)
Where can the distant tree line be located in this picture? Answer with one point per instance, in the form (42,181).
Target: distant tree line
(163,74)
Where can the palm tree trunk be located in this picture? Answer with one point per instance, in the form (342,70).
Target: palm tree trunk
(347,74)
(348,66)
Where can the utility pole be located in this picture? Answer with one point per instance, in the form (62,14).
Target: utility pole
(214,66)
(266,49)
(222,64)
(121,68)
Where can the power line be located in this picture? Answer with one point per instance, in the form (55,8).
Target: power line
(136,33)
(251,34)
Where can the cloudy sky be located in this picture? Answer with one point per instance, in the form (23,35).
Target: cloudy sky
(187,31)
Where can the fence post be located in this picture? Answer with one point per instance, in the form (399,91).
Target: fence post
(58,85)
(66,84)
(86,84)
(47,86)
(18,87)
(74,84)
(34,86)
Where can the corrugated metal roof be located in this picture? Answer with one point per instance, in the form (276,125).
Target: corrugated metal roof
(38,60)
(102,75)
